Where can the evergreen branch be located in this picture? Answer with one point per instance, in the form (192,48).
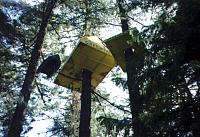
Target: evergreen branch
(13,3)
(99,103)
(55,30)
(137,21)
(41,94)
(108,23)
(68,31)
(112,104)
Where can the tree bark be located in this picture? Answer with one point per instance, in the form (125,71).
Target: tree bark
(132,59)
(16,125)
(75,113)
(123,16)
(88,24)
(85,116)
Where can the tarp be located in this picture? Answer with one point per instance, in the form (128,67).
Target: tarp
(119,43)
(90,53)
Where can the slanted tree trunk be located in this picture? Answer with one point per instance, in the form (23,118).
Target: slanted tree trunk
(132,63)
(16,125)
(85,115)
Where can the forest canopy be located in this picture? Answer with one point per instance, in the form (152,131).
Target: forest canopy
(159,94)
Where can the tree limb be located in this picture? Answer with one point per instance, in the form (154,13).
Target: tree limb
(112,104)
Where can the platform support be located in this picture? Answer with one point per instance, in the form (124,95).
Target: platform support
(85,115)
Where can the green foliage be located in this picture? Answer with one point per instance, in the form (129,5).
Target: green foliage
(168,79)
(115,125)
(167,73)
(172,63)
(8,68)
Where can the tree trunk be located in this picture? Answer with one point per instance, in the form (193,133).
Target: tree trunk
(88,24)
(123,16)
(85,116)
(132,59)
(75,113)
(17,120)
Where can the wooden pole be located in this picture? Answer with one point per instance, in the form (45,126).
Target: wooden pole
(85,116)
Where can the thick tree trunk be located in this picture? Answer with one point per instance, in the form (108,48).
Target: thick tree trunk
(17,120)
(85,116)
(133,87)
